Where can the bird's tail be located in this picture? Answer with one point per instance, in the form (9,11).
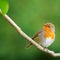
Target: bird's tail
(28,45)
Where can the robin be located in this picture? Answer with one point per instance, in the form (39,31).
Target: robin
(46,36)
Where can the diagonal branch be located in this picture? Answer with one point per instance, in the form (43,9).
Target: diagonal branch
(19,30)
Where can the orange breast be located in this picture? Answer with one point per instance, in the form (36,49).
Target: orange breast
(48,33)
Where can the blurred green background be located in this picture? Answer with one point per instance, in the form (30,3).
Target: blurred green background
(30,15)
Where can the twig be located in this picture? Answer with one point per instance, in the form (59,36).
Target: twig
(28,38)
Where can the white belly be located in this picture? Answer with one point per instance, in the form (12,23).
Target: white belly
(46,42)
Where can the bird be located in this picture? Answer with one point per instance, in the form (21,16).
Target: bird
(45,36)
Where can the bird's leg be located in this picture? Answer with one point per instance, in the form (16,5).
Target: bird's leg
(46,49)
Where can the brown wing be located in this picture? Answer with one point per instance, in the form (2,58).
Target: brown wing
(36,38)
(36,35)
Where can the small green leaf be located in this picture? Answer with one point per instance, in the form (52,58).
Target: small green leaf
(4,6)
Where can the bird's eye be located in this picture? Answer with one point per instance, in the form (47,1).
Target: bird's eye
(48,26)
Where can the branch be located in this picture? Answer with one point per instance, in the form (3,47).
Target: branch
(19,30)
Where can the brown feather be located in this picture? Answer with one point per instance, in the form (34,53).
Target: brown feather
(35,38)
